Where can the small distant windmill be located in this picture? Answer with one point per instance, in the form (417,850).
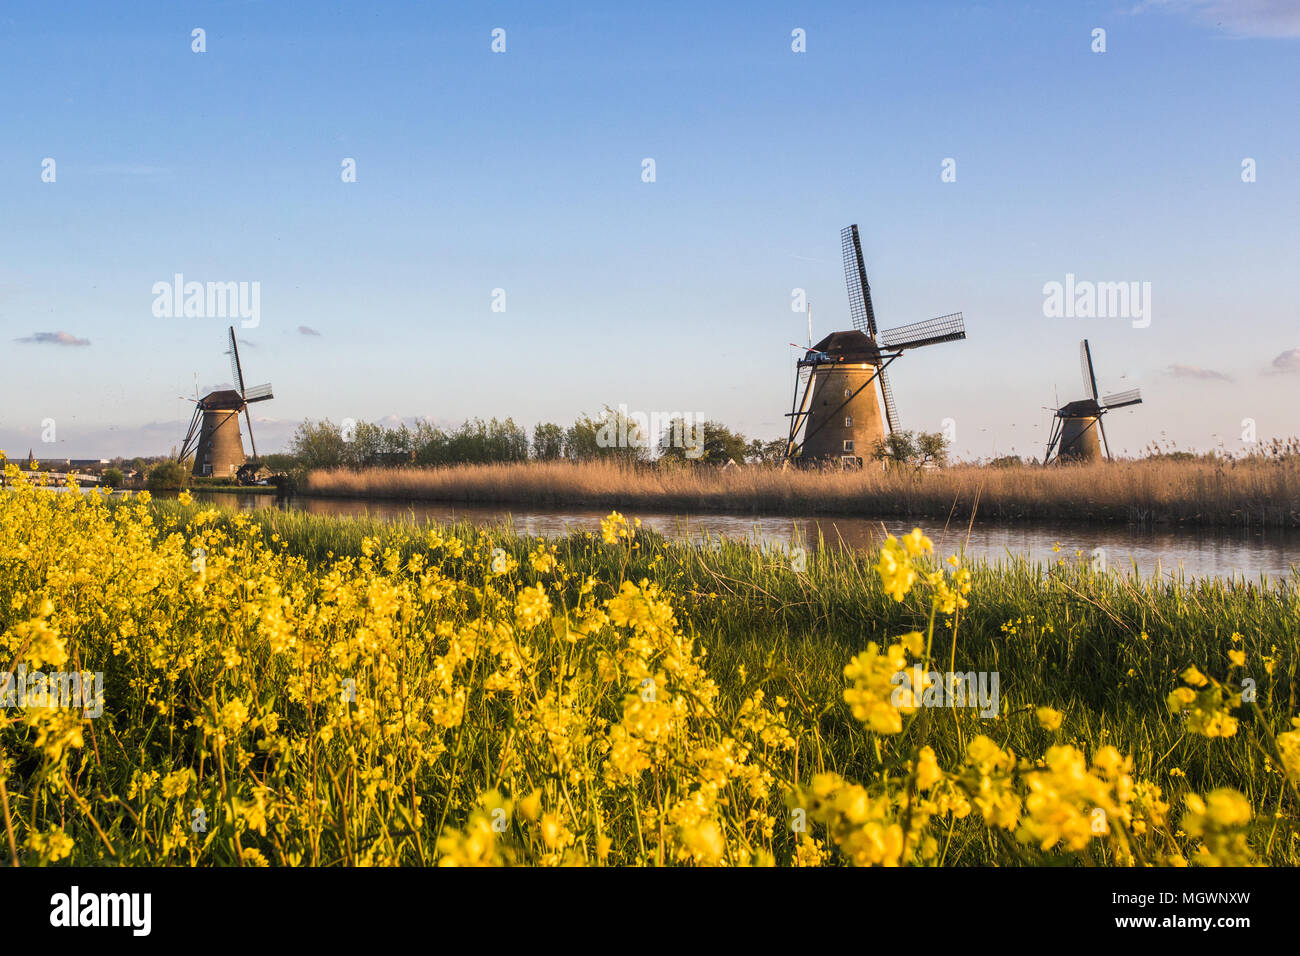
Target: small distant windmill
(213,436)
(835,412)
(1077,431)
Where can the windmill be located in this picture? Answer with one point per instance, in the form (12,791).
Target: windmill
(213,437)
(835,412)
(1077,431)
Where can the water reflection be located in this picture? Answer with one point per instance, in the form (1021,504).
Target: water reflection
(1197,552)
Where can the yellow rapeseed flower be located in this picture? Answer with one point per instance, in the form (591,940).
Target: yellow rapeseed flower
(1048,718)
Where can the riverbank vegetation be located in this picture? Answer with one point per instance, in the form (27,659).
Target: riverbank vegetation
(590,465)
(282,689)
(1256,492)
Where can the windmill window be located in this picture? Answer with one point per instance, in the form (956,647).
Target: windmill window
(848,445)
(848,421)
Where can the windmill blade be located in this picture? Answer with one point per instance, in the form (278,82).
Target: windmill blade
(1057,425)
(855,278)
(799,403)
(191,443)
(804,370)
(945,328)
(1105,444)
(1089,377)
(249,418)
(1120,399)
(258,393)
(891,410)
(235,370)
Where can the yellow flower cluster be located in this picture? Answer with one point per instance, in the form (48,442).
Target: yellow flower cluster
(877,697)
(1070,803)
(1220,819)
(1288,744)
(616,528)
(895,565)
(1205,705)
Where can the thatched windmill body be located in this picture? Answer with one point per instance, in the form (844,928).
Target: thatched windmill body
(1078,434)
(842,404)
(213,437)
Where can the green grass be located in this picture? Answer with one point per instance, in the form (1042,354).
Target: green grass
(1103,647)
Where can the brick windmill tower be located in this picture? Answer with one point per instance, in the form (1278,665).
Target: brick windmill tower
(213,437)
(835,414)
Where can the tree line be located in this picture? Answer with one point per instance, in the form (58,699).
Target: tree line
(609,436)
(612,435)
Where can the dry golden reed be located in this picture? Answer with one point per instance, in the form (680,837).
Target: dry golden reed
(1235,493)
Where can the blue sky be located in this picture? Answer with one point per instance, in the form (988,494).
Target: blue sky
(522,171)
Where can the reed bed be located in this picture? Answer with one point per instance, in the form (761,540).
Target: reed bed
(1244,493)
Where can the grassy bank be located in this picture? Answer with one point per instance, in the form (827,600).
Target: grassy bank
(1251,493)
(343,691)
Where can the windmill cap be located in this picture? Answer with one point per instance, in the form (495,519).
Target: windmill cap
(851,346)
(1084,408)
(225,398)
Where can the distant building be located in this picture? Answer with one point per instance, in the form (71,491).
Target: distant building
(83,465)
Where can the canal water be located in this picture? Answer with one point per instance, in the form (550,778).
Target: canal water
(1191,551)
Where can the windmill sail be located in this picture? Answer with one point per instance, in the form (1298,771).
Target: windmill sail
(236,372)
(799,413)
(1089,377)
(945,328)
(258,393)
(1121,399)
(191,443)
(855,277)
(806,370)
(891,410)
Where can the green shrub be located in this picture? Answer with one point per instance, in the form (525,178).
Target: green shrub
(166,476)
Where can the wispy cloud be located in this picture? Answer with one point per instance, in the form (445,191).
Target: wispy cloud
(307,330)
(1288,361)
(53,338)
(1246,18)
(1195,371)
